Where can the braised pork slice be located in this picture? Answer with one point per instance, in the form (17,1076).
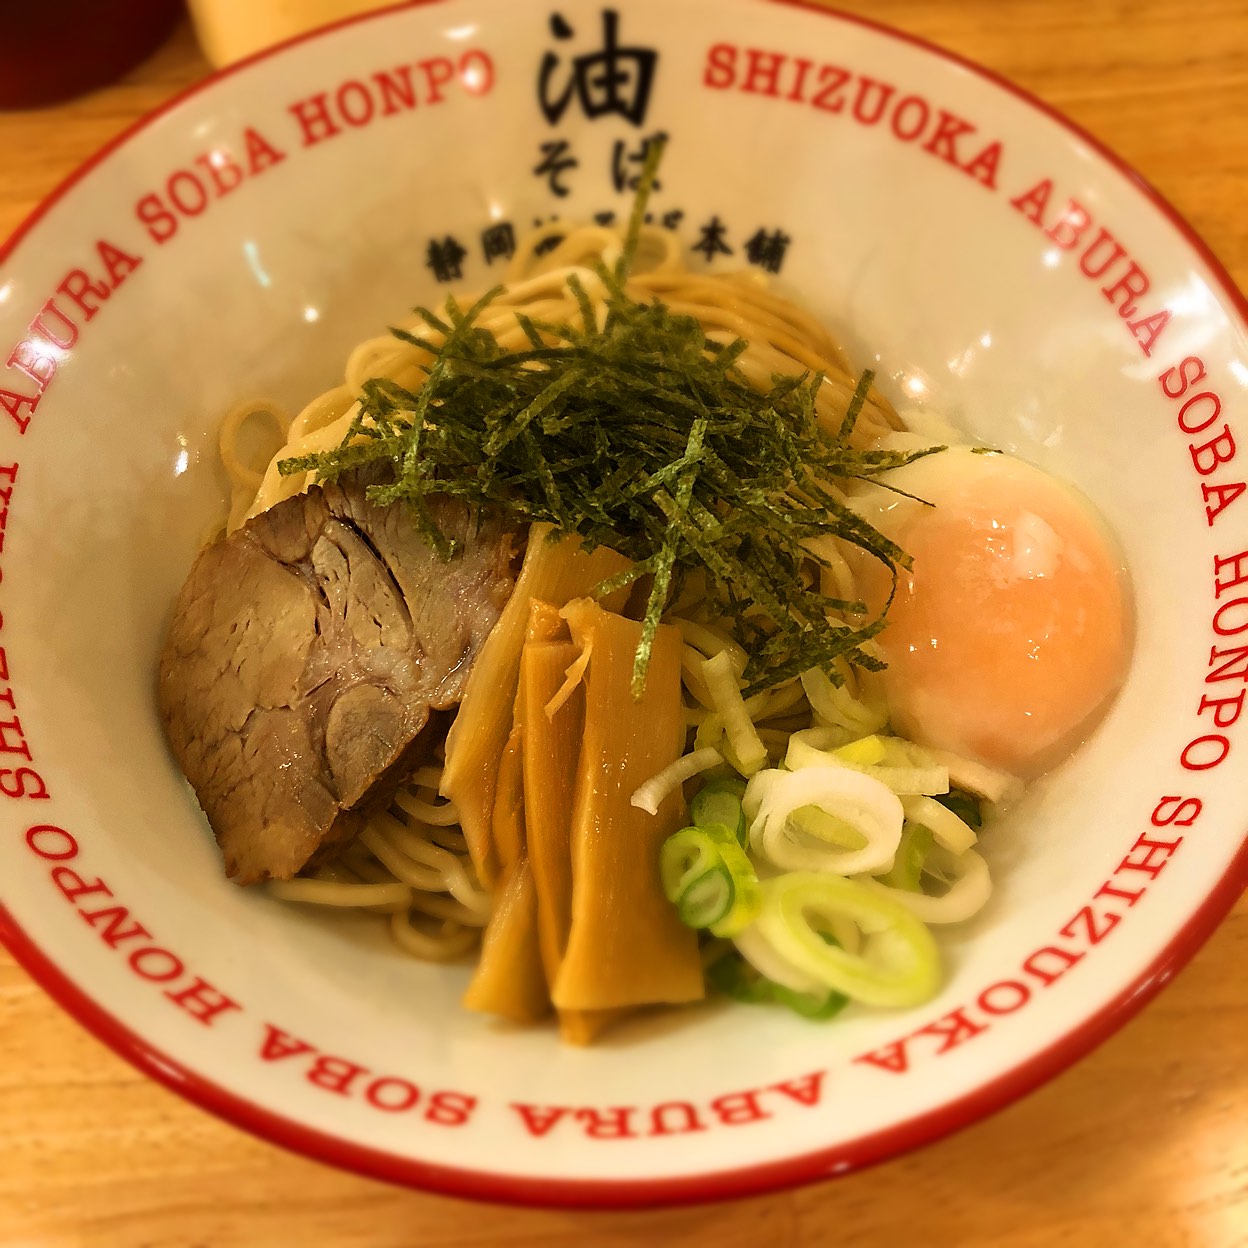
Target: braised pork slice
(306,654)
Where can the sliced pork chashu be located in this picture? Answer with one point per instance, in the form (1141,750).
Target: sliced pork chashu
(306,654)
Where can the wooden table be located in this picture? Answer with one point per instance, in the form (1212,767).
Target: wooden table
(1144,1143)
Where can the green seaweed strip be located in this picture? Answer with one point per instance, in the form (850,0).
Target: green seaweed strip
(639,435)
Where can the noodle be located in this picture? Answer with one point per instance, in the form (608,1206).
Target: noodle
(417,872)
(411,862)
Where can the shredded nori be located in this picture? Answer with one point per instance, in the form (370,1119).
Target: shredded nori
(641,435)
(965,805)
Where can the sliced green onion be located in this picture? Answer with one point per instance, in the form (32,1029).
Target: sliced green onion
(865,752)
(707,898)
(953,833)
(834,705)
(733,759)
(649,796)
(819,823)
(710,733)
(760,787)
(905,767)
(691,661)
(709,880)
(812,1007)
(822,737)
(854,801)
(745,748)
(754,946)
(719,801)
(969,889)
(993,786)
(710,643)
(778,701)
(912,852)
(736,978)
(898,963)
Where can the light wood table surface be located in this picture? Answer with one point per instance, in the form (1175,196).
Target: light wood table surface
(1144,1143)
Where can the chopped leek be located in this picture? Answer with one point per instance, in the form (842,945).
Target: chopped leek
(710,643)
(719,801)
(808,821)
(744,748)
(865,752)
(710,733)
(912,852)
(970,886)
(834,705)
(709,880)
(821,737)
(988,783)
(903,766)
(854,801)
(898,963)
(953,833)
(736,978)
(651,795)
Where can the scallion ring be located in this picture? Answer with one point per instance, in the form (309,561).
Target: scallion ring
(898,963)
(858,836)
(719,802)
(709,880)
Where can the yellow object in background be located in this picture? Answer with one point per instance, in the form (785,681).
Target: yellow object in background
(229,30)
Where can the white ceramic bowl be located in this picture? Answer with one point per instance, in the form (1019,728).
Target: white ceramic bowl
(243,239)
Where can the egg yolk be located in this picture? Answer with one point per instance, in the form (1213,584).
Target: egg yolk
(1009,634)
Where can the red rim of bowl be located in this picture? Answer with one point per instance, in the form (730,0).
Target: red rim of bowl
(692,1189)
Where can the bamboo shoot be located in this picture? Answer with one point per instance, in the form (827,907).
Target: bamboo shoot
(626,946)
(552,747)
(555,572)
(552,751)
(509,979)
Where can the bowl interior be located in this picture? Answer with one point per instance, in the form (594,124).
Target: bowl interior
(247,238)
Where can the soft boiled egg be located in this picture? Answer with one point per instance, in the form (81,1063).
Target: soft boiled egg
(1009,635)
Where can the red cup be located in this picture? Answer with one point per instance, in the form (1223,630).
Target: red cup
(51,50)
